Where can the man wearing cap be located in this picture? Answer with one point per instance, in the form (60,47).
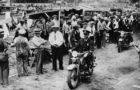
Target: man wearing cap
(75,36)
(37,42)
(4,28)
(22,53)
(84,26)
(55,21)
(56,40)
(100,30)
(66,31)
(74,22)
(85,44)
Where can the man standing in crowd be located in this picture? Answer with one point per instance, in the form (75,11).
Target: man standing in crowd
(111,31)
(74,22)
(100,33)
(84,27)
(21,25)
(56,40)
(75,36)
(4,63)
(37,42)
(22,53)
(66,31)
(55,21)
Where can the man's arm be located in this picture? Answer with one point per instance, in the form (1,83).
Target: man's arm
(14,42)
(51,39)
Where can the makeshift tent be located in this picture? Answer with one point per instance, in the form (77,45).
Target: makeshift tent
(74,11)
(38,15)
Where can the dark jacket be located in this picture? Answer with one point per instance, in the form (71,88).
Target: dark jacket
(85,45)
(75,37)
(3,45)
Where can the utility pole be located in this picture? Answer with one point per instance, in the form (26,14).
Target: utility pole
(75,4)
(10,2)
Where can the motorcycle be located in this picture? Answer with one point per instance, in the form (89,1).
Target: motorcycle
(137,47)
(124,40)
(77,68)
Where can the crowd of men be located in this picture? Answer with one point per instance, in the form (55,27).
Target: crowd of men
(31,38)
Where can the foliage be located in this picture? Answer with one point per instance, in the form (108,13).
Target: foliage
(134,1)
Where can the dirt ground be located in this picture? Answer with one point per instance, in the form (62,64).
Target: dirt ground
(115,71)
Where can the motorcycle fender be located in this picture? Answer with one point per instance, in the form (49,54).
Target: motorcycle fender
(71,67)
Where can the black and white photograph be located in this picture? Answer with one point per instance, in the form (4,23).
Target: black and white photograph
(69,44)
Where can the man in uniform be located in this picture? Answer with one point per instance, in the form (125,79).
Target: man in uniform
(86,44)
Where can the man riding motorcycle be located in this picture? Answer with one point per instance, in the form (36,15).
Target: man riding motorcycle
(86,44)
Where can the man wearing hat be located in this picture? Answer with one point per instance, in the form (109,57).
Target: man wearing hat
(55,21)
(56,40)
(22,53)
(4,28)
(66,31)
(21,25)
(85,44)
(4,64)
(84,26)
(37,42)
(75,36)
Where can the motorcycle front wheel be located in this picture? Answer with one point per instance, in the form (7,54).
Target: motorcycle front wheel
(73,79)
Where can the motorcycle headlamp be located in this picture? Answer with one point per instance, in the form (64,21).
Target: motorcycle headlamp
(74,59)
(74,54)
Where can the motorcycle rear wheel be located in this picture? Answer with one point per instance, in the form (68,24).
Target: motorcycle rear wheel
(73,79)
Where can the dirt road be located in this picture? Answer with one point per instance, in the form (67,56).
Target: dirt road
(115,71)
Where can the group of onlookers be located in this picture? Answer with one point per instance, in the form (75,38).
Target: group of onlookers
(33,36)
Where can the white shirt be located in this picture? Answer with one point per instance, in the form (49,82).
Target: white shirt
(81,32)
(6,31)
(93,30)
(29,22)
(74,23)
(56,38)
(66,28)
(116,25)
(73,17)
(56,23)
(37,41)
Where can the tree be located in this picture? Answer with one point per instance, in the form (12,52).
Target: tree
(134,1)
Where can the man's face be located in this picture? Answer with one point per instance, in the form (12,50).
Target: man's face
(54,29)
(84,26)
(55,18)
(86,36)
(37,34)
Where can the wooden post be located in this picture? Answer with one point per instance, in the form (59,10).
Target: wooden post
(139,59)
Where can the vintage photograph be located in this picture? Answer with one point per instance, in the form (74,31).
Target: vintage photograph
(69,44)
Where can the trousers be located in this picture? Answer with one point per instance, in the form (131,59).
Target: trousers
(57,53)
(22,65)
(4,72)
(39,61)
